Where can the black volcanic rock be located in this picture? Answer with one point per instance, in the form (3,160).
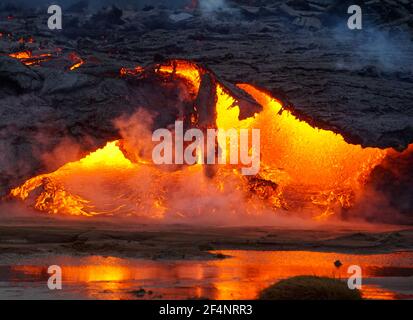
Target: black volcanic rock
(43,107)
(358,84)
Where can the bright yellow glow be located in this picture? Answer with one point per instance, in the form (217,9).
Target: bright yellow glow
(185,70)
(299,164)
(55,198)
(317,163)
(108,156)
(228,112)
(21,55)
(308,155)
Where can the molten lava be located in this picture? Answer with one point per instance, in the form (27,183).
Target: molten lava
(55,198)
(303,169)
(77,61)
(295,155)
(131,72)
(29,59)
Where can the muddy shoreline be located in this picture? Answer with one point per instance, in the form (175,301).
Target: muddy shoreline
(123,259)
(43,235)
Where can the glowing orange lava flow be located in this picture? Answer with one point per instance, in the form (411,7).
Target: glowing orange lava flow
(184,69)
(55,198)
(21,55)
(29,59)
(297,157)
(303,169)
(78,61)
(131,72)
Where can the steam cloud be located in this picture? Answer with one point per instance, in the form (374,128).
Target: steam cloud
(190,195)
(209,6)
(388,52)
(185,194)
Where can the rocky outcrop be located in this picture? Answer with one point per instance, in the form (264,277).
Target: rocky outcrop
(45,108)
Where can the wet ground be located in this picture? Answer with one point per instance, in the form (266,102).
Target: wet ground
(239,276)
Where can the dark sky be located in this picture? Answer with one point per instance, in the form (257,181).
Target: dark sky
(96,3)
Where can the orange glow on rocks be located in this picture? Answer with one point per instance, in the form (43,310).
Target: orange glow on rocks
(302,168)
(78,61)
(27,58)
(55,198)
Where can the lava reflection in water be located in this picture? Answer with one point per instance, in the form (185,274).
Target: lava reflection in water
(241,276)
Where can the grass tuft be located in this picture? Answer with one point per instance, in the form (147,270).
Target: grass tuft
(309,288)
